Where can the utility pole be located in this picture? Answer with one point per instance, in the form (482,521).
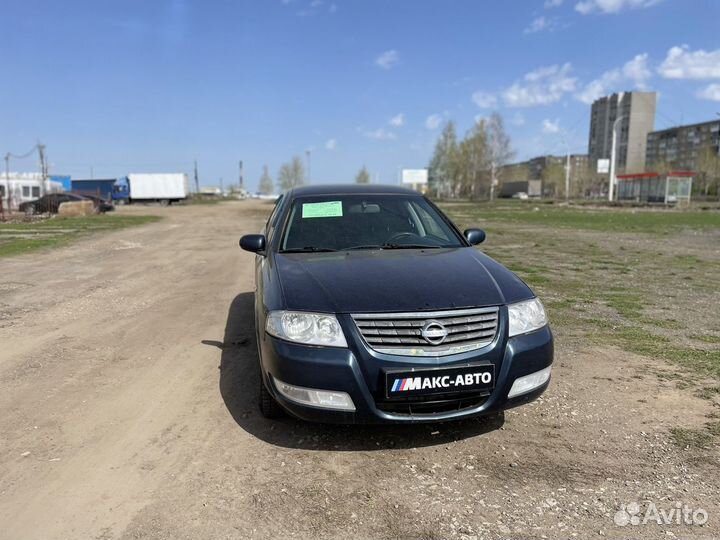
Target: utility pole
(567,178)
(7,181)
(43,168)
(613,152)
(197,182)
(241,182)
(221,187)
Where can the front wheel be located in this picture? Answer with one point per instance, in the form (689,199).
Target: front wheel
(30,210)
(268,406)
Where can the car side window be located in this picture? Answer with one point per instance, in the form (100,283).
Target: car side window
(430,225)
(272,220)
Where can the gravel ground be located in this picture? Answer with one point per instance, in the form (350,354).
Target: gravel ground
(128,376)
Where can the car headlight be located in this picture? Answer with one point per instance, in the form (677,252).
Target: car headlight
(526,316)
(307,328)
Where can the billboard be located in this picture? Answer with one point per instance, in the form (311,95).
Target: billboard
(414,176)
(603,166)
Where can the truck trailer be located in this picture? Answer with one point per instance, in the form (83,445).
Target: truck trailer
(162,188)
(98,187)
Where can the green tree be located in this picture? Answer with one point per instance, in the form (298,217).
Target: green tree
(363,176)
(291,174)
(266,182)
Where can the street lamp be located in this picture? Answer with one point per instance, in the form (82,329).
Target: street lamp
(613,151)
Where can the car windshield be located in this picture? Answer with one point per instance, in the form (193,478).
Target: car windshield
(358,222)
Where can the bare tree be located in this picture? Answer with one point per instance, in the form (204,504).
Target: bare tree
(291,174)
(363,176)
(708,167)
(499,148)
(442,171)
(266,182)
(474,163)
(553,176)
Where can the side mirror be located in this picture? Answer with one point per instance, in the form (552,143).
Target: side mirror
(253,242)
(474,236)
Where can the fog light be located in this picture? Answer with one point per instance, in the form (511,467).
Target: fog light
(523,385)
(324,399)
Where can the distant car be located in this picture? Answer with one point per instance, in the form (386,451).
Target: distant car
(520,195)
(101,204)
(49,203)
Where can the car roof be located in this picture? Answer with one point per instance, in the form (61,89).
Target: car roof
(351,189)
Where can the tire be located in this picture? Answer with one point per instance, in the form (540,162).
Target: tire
(268,406)
(30,210)
(164,202)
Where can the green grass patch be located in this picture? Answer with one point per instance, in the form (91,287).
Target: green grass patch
(706,338)
(691,438)
(603,286)
(600,219)
(26,237)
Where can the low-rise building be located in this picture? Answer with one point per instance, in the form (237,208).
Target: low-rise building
(550,170)
(683,147)
(17,187)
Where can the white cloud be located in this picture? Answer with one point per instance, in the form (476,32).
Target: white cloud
(380,134)
(518,119)
(484,100)
(433,121)
(711,92)
(331,144)
(552,3)
(549,126)
(635,73)
(388,59)
(316,3)
(333,8)
(611,6)
(538,24)
(542,86)
(397,121)
(682,63)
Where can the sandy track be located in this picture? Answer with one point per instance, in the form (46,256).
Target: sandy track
(128,372)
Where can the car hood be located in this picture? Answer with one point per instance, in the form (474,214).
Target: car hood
(395,280)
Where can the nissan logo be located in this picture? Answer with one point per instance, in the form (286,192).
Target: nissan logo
(434,332)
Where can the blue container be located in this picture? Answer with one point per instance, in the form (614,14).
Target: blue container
(102,187)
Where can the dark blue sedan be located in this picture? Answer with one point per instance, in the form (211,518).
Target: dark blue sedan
(372,307)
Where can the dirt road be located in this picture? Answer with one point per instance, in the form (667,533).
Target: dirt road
(128,398)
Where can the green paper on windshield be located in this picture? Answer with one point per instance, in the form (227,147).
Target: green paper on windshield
(322,209)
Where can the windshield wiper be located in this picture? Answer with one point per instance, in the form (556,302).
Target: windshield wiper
(308,249)
(365,246)
(409,246)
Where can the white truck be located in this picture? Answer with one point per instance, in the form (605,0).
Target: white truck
(162,188)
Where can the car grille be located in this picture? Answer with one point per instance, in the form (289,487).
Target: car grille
(420,408)
(402,333)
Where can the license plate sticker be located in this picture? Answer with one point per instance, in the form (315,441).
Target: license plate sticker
(440,381)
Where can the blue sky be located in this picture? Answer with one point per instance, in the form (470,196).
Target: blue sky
(147,86)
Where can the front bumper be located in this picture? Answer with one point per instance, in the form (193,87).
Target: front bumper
(359,371)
